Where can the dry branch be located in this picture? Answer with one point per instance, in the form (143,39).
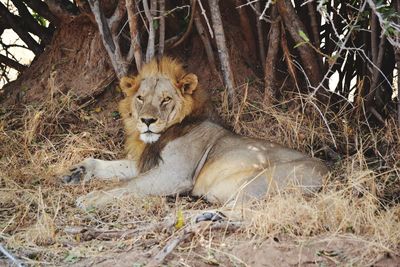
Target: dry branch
(161,42)
(12,63)
(272,56)
(135,49)
(221,45)
(294,26)
(189,27)
(151,41)
(9,19)
(205,40)
(260,34)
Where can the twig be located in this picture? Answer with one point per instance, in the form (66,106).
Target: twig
(203,12)
(187,233)
(10,257)
(190,25)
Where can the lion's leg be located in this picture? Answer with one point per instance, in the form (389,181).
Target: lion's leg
(92,168)
(156,182)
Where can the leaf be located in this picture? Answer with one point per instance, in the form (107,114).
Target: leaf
(304,36)
(180,220)
(97,110)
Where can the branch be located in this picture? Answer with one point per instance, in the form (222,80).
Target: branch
(12,63)
(135,49)
(115,19)
(43,10)
(64,10)
(151,42)
(12,20)
(30,23)
(189,27)
(260,34)
(221,45)
(272,55)
(294,26)
(110,42)
(205,40)
(161,42)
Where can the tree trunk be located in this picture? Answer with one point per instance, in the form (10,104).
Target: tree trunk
(222,49)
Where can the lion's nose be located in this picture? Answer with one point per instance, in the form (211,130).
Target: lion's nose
(148,121)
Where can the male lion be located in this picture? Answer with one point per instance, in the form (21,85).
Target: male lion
(173,147)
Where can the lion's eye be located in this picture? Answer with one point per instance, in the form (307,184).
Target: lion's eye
(139,98)
(166,100)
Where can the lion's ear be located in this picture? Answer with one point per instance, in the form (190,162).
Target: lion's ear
(128,85)
(188,83)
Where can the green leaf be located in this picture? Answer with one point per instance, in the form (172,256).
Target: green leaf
(304,36)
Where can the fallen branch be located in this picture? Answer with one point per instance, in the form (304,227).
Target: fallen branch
(188,233)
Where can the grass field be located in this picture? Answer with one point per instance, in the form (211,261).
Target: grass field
(354,220)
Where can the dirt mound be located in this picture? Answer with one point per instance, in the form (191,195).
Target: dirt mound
(75,61)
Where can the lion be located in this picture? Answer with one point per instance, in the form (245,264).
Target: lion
(173,147)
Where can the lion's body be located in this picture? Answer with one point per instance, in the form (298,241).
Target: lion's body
(172,147)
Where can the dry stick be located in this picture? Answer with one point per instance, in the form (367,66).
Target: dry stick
(203,12)
(272,56)
(205,40)
(10,257)
(260,34)
(222,49)
(189,28)
(374,35)
(151,41)
(187,233)
(135,49)
(161,42)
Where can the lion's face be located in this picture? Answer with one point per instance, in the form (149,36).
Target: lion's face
(157,103)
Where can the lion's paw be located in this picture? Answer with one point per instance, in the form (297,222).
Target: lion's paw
(99,199)
(80,172)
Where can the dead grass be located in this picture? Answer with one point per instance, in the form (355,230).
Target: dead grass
(38,143)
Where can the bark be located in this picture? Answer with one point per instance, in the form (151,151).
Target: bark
(162,28)
(221,45)
(9,19)
(135,49)
(374,36)
(206,41)
(151,42)
(272,55)
(246,29)
(314,23)
(12,63)
(308,56)
(110,42)
(260,34)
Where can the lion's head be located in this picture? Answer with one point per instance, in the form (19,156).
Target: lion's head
(160,96)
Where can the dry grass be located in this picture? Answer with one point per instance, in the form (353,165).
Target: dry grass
(40,142)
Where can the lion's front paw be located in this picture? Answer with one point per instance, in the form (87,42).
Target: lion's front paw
(99,199)
(81,171)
